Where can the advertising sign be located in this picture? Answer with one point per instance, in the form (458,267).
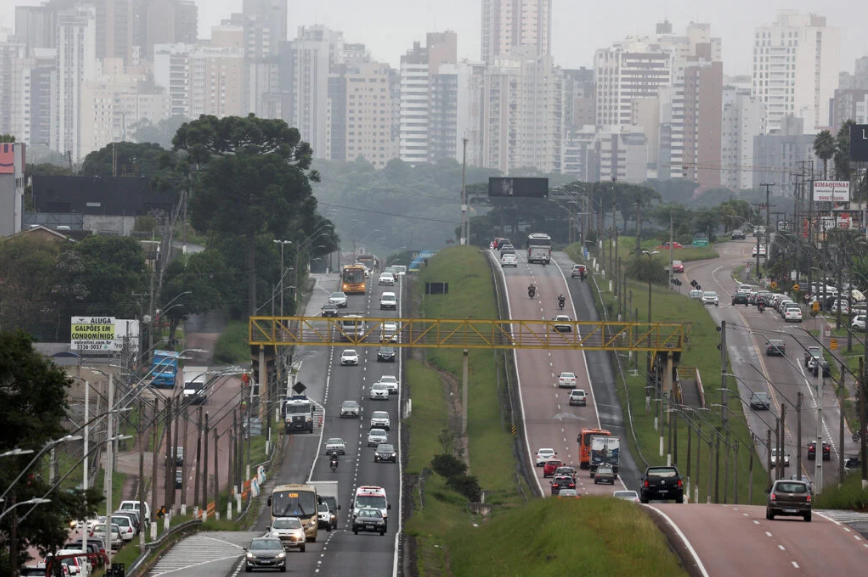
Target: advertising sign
(859,142)
(831,191)
(92,334)
(104,334)
(518,187)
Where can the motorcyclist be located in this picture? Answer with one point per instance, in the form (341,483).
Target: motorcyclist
(761,306)
(334,460)
(531,290)
(561,300)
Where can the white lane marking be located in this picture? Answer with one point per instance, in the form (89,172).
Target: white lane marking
(684,540)
(781,547)
(756,522)
(796,565)
(769,534)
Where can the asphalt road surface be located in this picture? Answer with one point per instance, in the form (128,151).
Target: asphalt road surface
(782,378)
(738,540)
(549,420)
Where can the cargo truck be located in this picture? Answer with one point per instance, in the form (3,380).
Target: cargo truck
(328,494)
(195,381)
(605,450)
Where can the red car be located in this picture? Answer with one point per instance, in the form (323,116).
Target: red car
(550,467)
(677,266)
(665,245)
(562,482)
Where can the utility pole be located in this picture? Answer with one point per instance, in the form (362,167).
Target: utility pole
(216,470)
(205,471)
(615,271)
(186,456)
(177,426)
(155,458)
(638,227)
(671,234)
(783,453)
(799,432)
(769,458)
(198,458)
(168,455)
(841,424)
(863,445)
(465,217)
(724,407)
(819,452)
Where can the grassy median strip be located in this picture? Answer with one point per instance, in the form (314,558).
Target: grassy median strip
(702,353)
(588,536)
(545,536)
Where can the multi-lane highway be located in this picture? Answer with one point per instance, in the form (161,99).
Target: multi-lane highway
(338,552)
(549,420)
(781,377)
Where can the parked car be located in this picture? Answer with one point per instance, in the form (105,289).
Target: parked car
(812,353)
(859,323)
(789,498)
(815,364)
(737,234)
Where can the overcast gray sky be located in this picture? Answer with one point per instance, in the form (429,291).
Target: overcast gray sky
(389,27)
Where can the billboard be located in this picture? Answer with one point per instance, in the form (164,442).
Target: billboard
(103,334)
(831,191)
(518,187)
(859,142)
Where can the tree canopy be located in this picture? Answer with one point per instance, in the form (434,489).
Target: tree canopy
(133,159)
(33,406)
(160,133)
(255,179)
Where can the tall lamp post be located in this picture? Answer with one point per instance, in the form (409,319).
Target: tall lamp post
(650,255)
(282,244)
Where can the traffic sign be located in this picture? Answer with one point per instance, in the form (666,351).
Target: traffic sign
(774,285)
(816,306)
(833,344)
(796,287)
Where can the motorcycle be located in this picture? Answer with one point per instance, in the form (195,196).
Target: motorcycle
(531,292)
(334,465)
(761,307)
(561,304)
(857,436)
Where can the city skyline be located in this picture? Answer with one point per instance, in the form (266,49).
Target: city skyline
(390,30)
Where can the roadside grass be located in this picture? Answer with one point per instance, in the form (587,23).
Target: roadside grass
(232,347)
(587,536)
(627,248)
(471,296)
(428,418)
(701,352)
(849,495)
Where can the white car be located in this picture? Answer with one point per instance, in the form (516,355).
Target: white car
(793,314)
(379,392)
(785,457)
(128,531)
(388,301)
(695,294)
(349,357)
(290,531)
(543,455)
(710,298)
(858,323)
(567,380)
(386,279)
(350,409)
(389,333)
(560,324)
(338,299)
(627,495)
(391,383)
(81,561)
(377,436)
(509,260)
(336,445)
(380,420)
(579,398)
(762,251)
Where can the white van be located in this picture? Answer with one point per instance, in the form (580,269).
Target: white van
(134,505)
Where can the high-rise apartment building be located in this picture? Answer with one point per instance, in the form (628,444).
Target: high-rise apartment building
(455,112)
(164,22)
(115,29)
(795,68)
(522,114)
(783,150)
(694,152)
(850,95)
(511,24)
(76,64)
(11,92)
(743,118)
(419,67)
(304,68)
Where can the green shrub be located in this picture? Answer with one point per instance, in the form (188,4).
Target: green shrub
(448,466)
(467,485)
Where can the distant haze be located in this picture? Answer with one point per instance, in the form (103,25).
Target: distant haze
(389,27)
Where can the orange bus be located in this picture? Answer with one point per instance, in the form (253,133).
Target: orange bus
(584,440)
(353,279)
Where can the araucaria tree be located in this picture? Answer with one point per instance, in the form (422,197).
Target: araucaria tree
(256,180)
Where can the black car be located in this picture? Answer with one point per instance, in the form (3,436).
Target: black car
(738,234)
(265,553)
(661,483)
(179,478)
(369,520)
(776,347)
(812,451)
(760,401)
(385,452)
(814,364)
(562,482)
(386,354)
(330,310)
(740,299)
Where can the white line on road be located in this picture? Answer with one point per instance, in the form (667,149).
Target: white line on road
(684,540)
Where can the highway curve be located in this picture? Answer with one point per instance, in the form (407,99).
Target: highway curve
(549,420)
(738,540)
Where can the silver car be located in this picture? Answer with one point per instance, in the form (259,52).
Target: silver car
(380,419)
(379,392)
(350,409)
(377,436)
(391,383)
(339,299)
(710,298)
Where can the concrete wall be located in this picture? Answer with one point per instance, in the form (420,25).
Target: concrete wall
(118,225)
